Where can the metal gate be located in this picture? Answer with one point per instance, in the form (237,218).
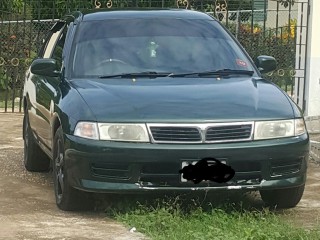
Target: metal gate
(264,27)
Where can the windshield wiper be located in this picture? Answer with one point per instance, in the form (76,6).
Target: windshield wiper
(152,74)
(137,74)
(221,72)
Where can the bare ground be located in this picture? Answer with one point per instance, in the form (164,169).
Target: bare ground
(28,210)
(27,205)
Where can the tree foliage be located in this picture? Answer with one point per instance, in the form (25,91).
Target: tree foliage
(8,8)
(11,6)
(52,9)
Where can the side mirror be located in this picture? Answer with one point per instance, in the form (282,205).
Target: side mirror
(266,64)
(45,67)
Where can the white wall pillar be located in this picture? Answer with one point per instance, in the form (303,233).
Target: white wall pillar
(312,87)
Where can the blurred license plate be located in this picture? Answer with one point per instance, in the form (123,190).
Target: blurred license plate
(186,163)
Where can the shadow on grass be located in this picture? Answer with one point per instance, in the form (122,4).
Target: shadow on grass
(228,201)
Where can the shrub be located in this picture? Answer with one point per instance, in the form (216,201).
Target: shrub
(279,43)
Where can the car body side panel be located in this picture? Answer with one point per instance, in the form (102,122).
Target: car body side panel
(47,93)
(37,107)
(71,107)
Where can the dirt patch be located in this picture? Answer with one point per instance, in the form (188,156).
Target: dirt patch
(307,213)
(27,205)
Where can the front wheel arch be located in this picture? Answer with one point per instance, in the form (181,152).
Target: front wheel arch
(67,197)
(56,123)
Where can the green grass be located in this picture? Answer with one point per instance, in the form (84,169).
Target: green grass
(171,220)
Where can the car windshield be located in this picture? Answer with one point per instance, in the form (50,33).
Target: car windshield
(173,46)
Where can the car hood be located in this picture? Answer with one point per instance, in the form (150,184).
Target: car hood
(183,99)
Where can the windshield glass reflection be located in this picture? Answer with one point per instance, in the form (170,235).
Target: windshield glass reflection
(119,46)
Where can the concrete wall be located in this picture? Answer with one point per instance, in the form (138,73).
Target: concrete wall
(313,126)
(312,89)
(313,62)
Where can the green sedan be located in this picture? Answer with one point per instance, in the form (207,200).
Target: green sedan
(133,101)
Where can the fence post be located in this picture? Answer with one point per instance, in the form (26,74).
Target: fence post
(301,54)
(237,23)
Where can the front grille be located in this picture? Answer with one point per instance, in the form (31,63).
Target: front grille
(201,133)
(175,134)
(227,133)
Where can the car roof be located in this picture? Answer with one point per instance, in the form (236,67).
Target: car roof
(104,14)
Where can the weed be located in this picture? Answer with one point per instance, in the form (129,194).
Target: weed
(172,218)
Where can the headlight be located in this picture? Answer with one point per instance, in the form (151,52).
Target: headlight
(127,132)
(279,129)
(123,132)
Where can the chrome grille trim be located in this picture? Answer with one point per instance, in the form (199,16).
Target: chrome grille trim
(202,128)
(233,132)
(183,134)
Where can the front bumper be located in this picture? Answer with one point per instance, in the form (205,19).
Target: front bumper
(102,166)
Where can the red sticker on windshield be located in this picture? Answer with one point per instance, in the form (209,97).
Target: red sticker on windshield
(241,63)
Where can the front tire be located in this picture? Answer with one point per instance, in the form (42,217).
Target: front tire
(35,160)
(283,198)
(67,197)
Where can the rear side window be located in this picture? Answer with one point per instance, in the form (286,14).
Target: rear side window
(51,39)
(58,49)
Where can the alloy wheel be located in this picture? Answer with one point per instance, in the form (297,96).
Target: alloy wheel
(59,170)
(26,138)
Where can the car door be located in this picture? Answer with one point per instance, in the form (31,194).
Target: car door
(46,87)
